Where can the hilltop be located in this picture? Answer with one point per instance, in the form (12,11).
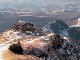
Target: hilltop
(24,41)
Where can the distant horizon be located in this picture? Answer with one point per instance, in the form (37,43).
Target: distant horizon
(48,1)
(31,3)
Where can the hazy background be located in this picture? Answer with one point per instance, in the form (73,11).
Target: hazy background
(32,2)
(38,12)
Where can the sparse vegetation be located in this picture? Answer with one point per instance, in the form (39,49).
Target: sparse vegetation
(16,48)
(23,26)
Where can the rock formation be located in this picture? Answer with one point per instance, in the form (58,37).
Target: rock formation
(23,26)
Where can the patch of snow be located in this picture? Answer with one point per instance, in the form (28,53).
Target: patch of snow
(20,21)
(50,34)
(3,47)
(77,25)
(11,35)
(43,37)
(67,39)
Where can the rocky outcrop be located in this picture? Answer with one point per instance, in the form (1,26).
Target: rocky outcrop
(23,26)
(50,47)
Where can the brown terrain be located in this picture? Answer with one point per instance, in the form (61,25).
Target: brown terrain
(28,47)
(32,47)
(36,49)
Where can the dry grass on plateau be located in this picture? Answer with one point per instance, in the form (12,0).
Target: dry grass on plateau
(3,39)
(8,55)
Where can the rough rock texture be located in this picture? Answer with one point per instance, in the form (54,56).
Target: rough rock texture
(54,47)
(23,26)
